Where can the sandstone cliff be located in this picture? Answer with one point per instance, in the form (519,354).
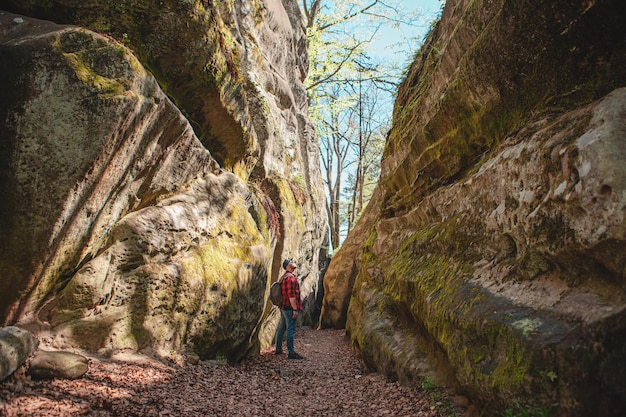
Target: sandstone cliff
(495,241)
(151,209)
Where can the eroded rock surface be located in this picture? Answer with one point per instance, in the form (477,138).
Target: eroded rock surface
(494,243)
(126,224)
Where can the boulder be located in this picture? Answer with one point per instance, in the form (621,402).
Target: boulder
(57,364)
(16,346)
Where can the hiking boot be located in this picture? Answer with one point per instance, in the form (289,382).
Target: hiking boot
(294,355)
(278,352)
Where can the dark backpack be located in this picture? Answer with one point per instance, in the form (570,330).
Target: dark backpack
(276,292)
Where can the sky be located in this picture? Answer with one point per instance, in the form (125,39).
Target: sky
(386,44)
(395,46)
(393,49)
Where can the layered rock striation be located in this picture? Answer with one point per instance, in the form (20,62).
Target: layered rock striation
(494,245)
(157,165)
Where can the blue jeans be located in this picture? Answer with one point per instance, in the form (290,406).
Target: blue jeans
(287,322)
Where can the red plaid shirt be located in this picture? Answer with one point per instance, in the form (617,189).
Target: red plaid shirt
(291,289)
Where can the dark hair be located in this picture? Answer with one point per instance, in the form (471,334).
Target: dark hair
(287,262)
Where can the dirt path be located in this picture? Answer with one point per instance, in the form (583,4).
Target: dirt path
(329,382)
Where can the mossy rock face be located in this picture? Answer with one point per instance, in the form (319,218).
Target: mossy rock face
(93,243)
(176,39)
(341,273)
(495,246)
(170,293)
(484,70)
(100,117)
(513,297)
(226,70)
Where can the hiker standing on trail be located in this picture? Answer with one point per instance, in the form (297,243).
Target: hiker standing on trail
(289,309)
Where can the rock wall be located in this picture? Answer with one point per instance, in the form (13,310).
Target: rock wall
(493,248)
(151,209)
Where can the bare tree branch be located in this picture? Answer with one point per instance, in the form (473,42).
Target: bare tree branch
(349,16)
(339,66)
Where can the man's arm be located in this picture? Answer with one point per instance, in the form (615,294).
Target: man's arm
(294,305)
(292,300)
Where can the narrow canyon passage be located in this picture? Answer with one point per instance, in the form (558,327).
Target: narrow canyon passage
(330,381)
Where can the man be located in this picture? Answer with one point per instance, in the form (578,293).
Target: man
(289,309)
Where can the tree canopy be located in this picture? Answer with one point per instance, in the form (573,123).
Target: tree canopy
(351,95)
